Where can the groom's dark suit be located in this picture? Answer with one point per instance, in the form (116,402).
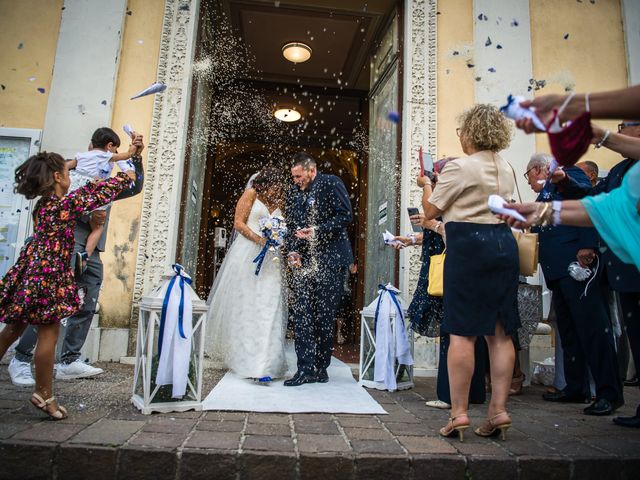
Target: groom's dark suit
(318,285)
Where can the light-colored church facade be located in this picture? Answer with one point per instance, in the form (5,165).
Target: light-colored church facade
(69,66)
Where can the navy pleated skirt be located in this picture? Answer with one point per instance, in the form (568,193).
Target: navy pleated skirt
(480,279)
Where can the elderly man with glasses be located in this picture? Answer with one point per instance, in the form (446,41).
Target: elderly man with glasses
(581,310)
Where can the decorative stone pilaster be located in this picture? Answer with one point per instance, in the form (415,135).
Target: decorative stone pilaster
(420,116)
(163,174)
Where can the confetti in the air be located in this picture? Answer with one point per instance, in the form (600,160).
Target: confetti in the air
(393,117)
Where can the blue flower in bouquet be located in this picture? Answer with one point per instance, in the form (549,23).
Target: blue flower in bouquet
(274,229)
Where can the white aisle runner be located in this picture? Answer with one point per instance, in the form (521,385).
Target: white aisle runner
(341,394)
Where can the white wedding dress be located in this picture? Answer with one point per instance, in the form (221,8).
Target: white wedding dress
(247,320)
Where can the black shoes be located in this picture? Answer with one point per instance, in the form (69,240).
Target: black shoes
(322,376)
(563,397)
(300,378)
(633,382)
(602,406)
(632,422)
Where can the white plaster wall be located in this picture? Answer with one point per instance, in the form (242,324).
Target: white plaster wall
(84,74)
(631,20)
(513,68)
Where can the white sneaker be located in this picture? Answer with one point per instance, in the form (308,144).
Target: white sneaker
(438,404)
(77,369)
(20,373)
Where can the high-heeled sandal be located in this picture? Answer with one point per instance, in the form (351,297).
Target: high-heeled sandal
(491,429)
(41,404)
(516,385)
(451,430)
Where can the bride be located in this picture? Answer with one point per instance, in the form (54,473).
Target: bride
(247,312)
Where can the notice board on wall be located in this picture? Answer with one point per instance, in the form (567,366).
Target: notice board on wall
(16,145)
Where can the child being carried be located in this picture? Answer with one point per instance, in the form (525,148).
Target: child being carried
(97,163)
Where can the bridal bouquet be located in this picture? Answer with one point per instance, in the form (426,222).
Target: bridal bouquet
(274,229)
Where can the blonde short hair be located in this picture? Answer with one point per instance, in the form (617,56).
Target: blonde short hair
(485,127)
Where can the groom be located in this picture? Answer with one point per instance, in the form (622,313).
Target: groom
(318,212)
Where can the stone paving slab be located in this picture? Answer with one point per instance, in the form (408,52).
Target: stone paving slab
(106,437)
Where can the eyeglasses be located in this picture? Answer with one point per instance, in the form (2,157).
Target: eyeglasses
(457,131)
(623,125)
(526,174)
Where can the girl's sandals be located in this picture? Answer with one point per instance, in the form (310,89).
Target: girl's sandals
(492,428)
(40,404)
(454,428)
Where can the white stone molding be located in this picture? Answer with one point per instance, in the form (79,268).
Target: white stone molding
(84,74)
(504,71)
(419,118)
(631,22)
(163,174)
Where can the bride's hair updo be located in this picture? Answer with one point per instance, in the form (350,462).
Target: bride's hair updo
(267,178)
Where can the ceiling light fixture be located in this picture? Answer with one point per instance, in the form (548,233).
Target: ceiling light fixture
(296,52)
(287,115)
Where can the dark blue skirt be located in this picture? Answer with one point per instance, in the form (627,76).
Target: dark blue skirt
(480,279)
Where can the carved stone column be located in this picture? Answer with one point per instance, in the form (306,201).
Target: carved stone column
(419,129)
(163,174)
(420,117)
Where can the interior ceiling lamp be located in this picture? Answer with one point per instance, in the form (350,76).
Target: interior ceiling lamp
(287,114)
(296,52)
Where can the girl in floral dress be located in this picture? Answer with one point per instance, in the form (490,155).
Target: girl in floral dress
(40,288)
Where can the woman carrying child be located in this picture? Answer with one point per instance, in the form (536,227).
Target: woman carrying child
(40,288)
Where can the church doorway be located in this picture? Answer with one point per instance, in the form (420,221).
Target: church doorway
(343,95)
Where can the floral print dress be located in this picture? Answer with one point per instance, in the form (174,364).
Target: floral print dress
(40,288)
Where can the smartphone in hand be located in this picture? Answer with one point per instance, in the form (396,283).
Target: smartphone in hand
(415,226)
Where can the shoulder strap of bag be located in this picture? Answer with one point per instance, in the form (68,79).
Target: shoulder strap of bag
(516,181)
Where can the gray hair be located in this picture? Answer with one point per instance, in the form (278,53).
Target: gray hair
(539,160)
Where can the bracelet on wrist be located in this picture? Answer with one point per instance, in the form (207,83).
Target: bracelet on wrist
(605,137)
(543,214)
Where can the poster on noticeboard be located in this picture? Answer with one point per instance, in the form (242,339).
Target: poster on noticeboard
(15,148)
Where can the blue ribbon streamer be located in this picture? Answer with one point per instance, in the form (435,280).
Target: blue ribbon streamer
(395,301)
(263,253)
(165,303)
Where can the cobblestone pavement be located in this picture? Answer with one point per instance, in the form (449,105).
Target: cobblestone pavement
(105,437)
